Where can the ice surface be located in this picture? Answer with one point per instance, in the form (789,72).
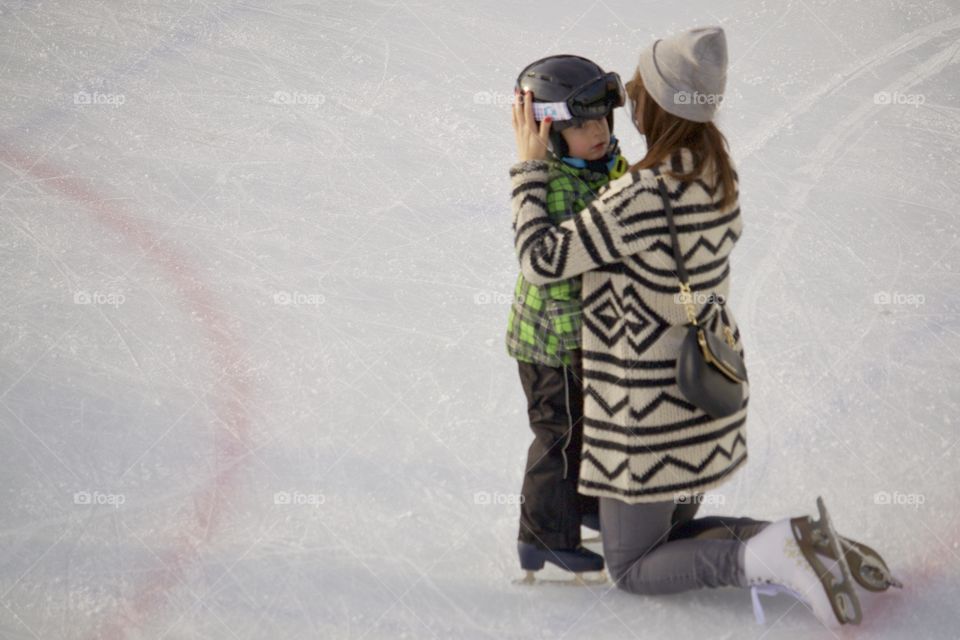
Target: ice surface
(257,262)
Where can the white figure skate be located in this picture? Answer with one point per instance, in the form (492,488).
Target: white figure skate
(788,556)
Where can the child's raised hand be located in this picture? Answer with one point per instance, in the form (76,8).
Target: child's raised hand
(531,139)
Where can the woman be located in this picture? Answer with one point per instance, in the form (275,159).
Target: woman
(648,453)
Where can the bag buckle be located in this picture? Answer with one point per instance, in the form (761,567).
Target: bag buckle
(711,358)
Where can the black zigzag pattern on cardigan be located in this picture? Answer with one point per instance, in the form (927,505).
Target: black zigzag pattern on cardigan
(662,399)
(665,445)
(702,242)
(673,287)
(611,427)
(600,356)
(707,203)
(611,409)
(671,273)
(681,213)
(639,415)
(661,230)
(665,489)
(667,460)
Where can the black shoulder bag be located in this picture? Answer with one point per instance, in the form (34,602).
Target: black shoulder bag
(710,373)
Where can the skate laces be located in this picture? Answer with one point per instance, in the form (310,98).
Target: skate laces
(768,590)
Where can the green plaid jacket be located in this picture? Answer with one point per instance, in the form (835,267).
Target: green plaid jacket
(544,322)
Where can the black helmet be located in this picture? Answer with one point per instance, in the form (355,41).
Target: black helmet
(582,89)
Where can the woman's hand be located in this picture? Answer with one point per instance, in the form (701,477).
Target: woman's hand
(531,139)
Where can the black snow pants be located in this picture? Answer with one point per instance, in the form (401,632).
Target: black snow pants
(551,509)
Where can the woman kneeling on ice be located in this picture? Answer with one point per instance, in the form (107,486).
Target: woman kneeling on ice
(649,452)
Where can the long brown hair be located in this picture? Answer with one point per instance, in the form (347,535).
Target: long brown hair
(666,133)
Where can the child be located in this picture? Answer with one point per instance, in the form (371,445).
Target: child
(543,331)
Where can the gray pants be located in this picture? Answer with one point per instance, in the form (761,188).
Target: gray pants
(658,547)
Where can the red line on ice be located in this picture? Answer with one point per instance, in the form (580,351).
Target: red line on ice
(233,388)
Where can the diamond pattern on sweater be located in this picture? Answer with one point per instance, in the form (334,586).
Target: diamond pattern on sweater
(612,318)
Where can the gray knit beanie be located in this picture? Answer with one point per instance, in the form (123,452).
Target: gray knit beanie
(686,73)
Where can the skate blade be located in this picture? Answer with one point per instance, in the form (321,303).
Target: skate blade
(868,568)
(843,598)
(575,580)
(874,576)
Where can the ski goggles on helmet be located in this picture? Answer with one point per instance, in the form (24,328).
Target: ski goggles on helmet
(595,99)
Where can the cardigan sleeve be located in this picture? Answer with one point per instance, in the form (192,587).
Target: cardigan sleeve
(593,237)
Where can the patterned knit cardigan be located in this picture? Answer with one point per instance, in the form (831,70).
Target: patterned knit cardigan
(643,442)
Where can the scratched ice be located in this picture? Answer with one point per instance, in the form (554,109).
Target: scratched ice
(256,264)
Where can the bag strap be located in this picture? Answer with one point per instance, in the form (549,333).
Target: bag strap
(668,207)
(685,294)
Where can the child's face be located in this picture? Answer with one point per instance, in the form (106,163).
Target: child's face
(588,140)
